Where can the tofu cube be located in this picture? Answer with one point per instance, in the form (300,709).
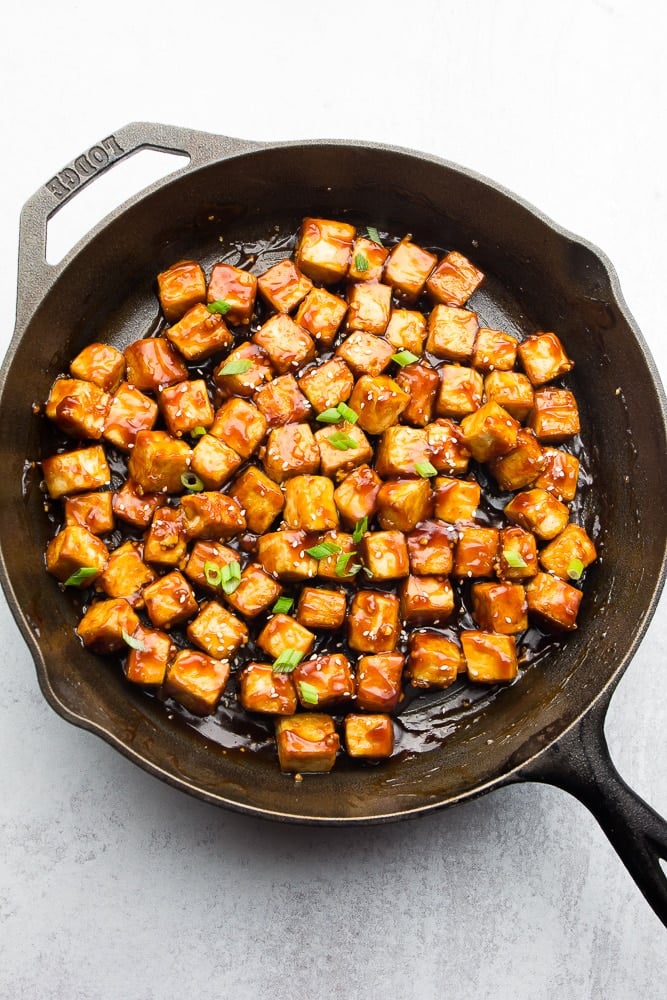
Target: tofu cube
(499,606)
(324,249)
(378,401)
(309,503)
(283,286)
(283,632)
(560,474)
(369,737)
(385,554)
(430,549)
(319,608)
(199,334)
(205,561)
(321,314)
(324,681)
(197,681)
(282,402)
(153,363)
(217,631)
(259,498)
(236,287)
(93,511)
(170,600)
(456,499)
(210,514)
(434,661)
(555,415)
(489,432)
(379,677)
(239,425)
(165,542)
(511,390)
(79,408)
(243,371)
(400,450)
(287,344)
(454,279)
(365,353)
(553,602)
(256,593)
(327,385)
(283,555)
(134,508)
(538,511)
(214,461)
(341,448)
(147,664)
(130,411)
(448,452)
(185,406)
(336,567)
(373,622)
(406,330)
(158,462)
(521,465)
(73,548)
(407,268)
(460,393)
(356,495)
(306,742)
(291,450)
(367,261)
(105,624)
(543,358)
(126,573)
(517,554)
(180,287)
(261,689)
(369,305)
(568,555)
(422,384)
(451,333)
(490,657)
(76,471)
(403,503)
(426,600)
(99,363)
(475,552)
(494,350)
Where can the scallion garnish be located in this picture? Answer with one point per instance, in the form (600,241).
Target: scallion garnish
(220,306)
(192,482)
(360,262)
(342,441)
(404,358)
(331,416)
(213,574)
(360,528)
(347,413)
(133,643)
(514,559)
(230,577)
(287,661)
(80,576)
(309,694)
(323,550)
(237,366)
(575,568)
(282,606)
(426,469)
(341,563)
(373,235)
(198,432)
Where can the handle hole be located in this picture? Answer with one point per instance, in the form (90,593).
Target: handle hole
(108,190)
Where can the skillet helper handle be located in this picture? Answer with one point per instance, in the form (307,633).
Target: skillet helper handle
(580,764)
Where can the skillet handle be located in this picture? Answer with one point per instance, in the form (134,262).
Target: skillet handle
(580,764)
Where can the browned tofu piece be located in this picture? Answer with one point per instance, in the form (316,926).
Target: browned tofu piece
(460,393)
(448,452)
(153,363)
(126,573)
(259,497)
(237,288)
(560,474)
(476,551)
(135,508)
(342,565)
(342,447)
(159,462)
(76,471)
(321,314)
(214,461)
(170,600)
(555,415)
(93,511)
(356,495)
(568,555)
(434,661)
(490,657)
(379,678)
(538,511)
(324,249)
(197,681)
(385,554)
(282,402)
(521,465)
(454,279)
(281,633)
(99,363)
(199,334)
(320,608)
(369,737)
(489,432)
(422,384)
(130,411)
(511,390)
(212,515)
(407,268)
(426,600)
(75,548)
(378,401)
(368,307)
(243,371)
(283,286)
(498,606)
(406,330)
(327,385)
(165,542)
(430,549)
(400,450)
(553,602)
(291,450)
(217,631)
(309,503)
(205,562)
(494,350)
(456,499)
(324,680)
(262,689)
(180,287)
(239,425)
(287,345)
(148,658)
(306,742)
(373,622)
(365,353)
(517,554)
(105,624)
(367,260)
(283,555)
(451,333)
(185,406)
(256,593)
(543,358)
(403,503)
(79,408)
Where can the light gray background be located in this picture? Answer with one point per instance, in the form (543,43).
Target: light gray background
(113,885)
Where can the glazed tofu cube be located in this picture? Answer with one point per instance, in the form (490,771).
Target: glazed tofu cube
(147,664)
(153,363)
(555,415)
(321,314)
(199,334)
(403,503)
(243,371)
(522,465)
(553,602)
(320,608)
(356,495)
(489,432)
(217,631)
(125,574)
(430,549)
(426,600)
(159,462)
(327,385)
(490,657)
(196,681)
(369,737)
(259,497)
(373,622)
(538,511)
(99,363)
(291,450)
(378,401)
(282,402)
(369,305)
(324,249)
(365,353)
(494,350)
(341,448)
(282,633)
(306,742)
(379,678)
(134,508)
(287,344)
(283,286)
(511,390)
(385,554)
(170,600)
(239,425)
(262,689)
(448,452)
(475,552)
(500,607)
(205,562)
(79,408)
(517,554)
(283,555)
(407,268)
(543,358)
(76,471)
(211,515)
(74,548)
(451,333)
(214,461)
(367,262)
(454,280)
(406,330)
(105,624)
(130,411)
(342,565)
(568,555)
(324,680)
(237,288)
(180,287)
(456,499)
(309,503)
(256,593)
(461,391)
(185,406)
(400,450)
(434,661)
(560,474)
(93,511)
(422,384)
(165,543)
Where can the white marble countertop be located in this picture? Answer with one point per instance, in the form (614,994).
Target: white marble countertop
(114,885)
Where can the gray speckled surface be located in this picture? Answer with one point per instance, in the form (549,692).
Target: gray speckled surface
(115,885)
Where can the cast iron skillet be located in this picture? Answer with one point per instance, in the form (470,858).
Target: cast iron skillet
(548,726)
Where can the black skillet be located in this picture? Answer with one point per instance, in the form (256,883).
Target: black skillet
(548,725)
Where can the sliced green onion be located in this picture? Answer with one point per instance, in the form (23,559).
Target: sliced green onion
(367,571)
(288,661)
(230,577)
(213,574)
(575,568)
(282,606)
(374,235)
(219,306)
(80,576)
(347,413)
(426,469)
(360,262)
(404,358)
(323,550)
(198,432)
(133,643)
(514,559)
(237,366)
(360,528)
(331,416)
(309,693)
(192,482)
(342,441)
(341,563)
